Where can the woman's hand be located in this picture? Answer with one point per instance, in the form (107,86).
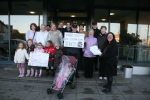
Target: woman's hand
(84,41)
(100,55)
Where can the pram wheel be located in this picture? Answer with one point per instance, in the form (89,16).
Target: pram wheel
(49,91)
(60,95)
(73,86)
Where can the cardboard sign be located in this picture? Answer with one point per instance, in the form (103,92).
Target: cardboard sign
(75,40)
(38,59)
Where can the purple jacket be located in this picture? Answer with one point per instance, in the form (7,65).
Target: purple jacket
(90,41)
(30,34)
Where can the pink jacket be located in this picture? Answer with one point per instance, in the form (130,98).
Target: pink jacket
(39,50)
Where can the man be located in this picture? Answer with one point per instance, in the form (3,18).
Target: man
(68,27)
(81,30)
(42,35)
(48,28)
(74,51)
(61,28)
(96,34)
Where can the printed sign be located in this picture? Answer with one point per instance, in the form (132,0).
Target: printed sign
(38,59)
(75,40)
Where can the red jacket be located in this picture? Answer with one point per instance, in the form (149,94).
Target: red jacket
(50,50)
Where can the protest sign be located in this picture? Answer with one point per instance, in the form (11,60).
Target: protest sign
(38,59)
(75,40)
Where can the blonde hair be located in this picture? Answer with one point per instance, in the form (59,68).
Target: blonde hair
(18,46)
(91,30)
(43,25)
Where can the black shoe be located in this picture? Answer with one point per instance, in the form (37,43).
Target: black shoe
(107,90)
(105,86)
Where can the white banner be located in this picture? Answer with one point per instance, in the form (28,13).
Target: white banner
(75,40)
(38,59)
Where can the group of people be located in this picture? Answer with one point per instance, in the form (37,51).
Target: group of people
(50,40)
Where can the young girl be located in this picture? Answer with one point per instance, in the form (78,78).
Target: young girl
(58,55)
(19,58)
(51,50)
(39,49)
(30,48)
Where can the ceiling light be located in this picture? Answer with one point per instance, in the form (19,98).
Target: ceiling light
(112,13)
(103,19)
(32,12)
(41,18)
(73,16)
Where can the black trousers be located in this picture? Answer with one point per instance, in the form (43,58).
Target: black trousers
(101,68)
(88,67)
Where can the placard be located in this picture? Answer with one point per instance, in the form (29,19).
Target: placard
(38,59)
(75,40)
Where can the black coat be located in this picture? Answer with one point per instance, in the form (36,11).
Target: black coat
(109,60)
(96,32)
(30,49)
(101,40)
(57,57)
(62,30)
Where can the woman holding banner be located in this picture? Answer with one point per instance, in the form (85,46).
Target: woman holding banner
(89,57)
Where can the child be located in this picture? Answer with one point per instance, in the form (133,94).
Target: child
(19,58)
(30,48)
(58,55)
(51,50)
(39,49)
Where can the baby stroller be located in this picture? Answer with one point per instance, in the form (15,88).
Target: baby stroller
(65,74)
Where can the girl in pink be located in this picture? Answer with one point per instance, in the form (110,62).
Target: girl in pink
(19,58)
(39,49)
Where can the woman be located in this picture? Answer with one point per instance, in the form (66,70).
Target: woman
(101,40)
(109,60)
(31,34)
(55,35)
(88,55)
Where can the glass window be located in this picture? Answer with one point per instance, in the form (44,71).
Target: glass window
(122,19)
(4,47)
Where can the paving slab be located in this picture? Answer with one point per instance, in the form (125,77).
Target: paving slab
(135,97)
(66,97)
(114,91)
(87,90)
(41,87)
(112,97)
(88,97)
(120,80)
(38,96)
(14,95)
(129,90)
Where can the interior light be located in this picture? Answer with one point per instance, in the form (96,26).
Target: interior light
(112,13)
(73,16)
(32,12)
(103,19)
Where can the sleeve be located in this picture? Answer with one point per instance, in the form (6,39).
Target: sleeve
(36,38)
(26,55)
(27,35)
(61,39)
(59,54)
(96,42)
(48,36)
(112,52)
(15,57)
(84,45)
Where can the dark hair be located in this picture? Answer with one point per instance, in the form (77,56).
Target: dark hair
(107,42)
(103,27)
(34,26)
(81,25)
(49,25)
(28,41)
(69,22)
(49,41)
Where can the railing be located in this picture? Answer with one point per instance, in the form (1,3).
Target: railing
(136,53)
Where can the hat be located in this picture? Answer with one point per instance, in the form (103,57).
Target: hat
(94,23)
(57,44)
(74,25)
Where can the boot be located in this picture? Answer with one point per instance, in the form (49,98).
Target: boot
(47,72)
(107,90)
(32,72)
(28,73)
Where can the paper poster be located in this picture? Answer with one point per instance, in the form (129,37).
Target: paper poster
(75,40)
(95,50)
(38,59)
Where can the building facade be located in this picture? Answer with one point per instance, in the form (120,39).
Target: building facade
(131,15)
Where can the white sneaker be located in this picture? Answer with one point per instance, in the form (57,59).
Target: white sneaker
(105,78)
(19,75)
(22,75)
(100,78)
